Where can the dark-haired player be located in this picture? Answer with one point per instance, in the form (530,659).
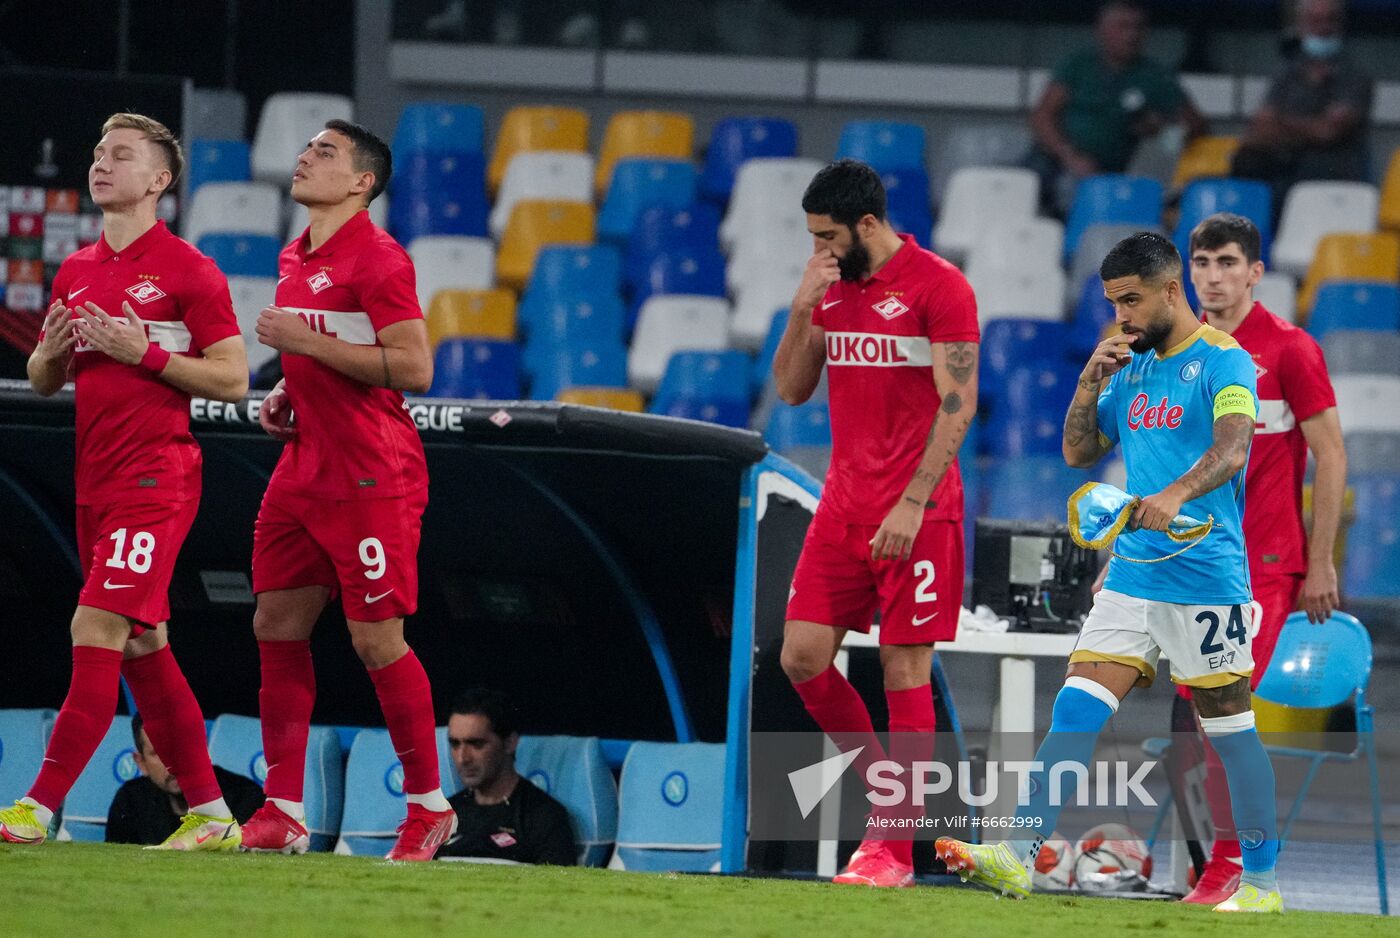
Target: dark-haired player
(343,509)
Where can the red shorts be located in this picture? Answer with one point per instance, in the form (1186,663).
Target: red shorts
(364,550)
(128,550)
(1277,595)
(837,583)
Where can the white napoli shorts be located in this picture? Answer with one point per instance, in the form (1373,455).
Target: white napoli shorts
(1207,646)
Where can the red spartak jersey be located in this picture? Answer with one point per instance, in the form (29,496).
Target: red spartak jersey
(133,429)
(353,440)
(879,335)
(1293,386)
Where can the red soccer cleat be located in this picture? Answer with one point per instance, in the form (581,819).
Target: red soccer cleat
(272,830)
(1217,883)
(872,865)
(422,832)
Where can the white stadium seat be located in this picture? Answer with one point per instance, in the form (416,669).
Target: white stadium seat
(287,122)
(755,306)
(976,194)
(234,208)
(452,262)
(1279,294)
(673,323)
(1368,402)
(298,217)
(1000,144)
(545,175)
(1314,209)
(1029,242)
(251,295)
(755,261)
(767,190)
(1019,292)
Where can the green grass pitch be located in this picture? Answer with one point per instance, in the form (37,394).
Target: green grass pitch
(76,890)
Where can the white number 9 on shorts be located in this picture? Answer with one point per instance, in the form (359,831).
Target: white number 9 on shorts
(372,556)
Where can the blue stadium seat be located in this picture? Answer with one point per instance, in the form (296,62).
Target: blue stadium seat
(24,734)
(585,364)
(884,145)
(111,766)
(239,255)
(573,770)
(374,797)
(1204,197)
(437,127)
(907,202)
(698,272)
(476,369)
(1355,304)
(1112,199)
(1033,488)
(439,194)
(736,139)
(576,270)
(806,424)
(763,365)
(671,808)
(1091,314)
(638,185)
(235,744)
(661,229)
(1029,418)
(1011,343)
(217,161)
(710,386)
(1373,544)
(560,319)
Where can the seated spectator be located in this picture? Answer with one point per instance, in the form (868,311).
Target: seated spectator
(1313,122)
(148,809)
(1100,103)
(500,815)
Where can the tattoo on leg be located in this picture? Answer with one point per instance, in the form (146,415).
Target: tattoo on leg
(1224,701)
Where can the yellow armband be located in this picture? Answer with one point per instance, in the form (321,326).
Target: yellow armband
(1235,400)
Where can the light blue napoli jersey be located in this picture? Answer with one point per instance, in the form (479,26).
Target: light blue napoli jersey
(1162,411)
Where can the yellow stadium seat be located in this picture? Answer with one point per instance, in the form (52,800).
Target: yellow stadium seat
(1204,156)
(536,128)
(485,313)
(1390,195)
(1349,257)
(664,134)
(614,398)
(534,224)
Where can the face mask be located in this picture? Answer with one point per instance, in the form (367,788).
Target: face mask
(1321,47)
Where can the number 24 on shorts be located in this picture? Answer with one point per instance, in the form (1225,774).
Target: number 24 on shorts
(1234,629)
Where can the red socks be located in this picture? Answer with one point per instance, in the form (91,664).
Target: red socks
(406,698)
(285,701)
(839,711)
(87,713)
(174,722)
(912,723)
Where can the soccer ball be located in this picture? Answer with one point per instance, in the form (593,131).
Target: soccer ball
(1054,865)
(1112,858)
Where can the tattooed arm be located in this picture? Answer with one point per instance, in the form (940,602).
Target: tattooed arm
(1229,450)
(1082,446)
(955,376)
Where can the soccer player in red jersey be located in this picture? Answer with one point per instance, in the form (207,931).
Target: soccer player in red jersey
(896,327)
(343,509)
(142,321)
(1297,412)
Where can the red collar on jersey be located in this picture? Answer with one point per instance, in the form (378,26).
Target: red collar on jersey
(355,226)
(896,262)
(154,235)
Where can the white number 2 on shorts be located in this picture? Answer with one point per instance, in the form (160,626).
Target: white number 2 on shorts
(372,556)
(143,545)
(923,593)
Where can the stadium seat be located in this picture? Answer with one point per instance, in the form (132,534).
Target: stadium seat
(1011,343)
(572,270)
(1373,542)
(438,127)
(1112,199)
(235,743)
(287,122)
(298,216)
(767,192)
(737,139)
(111,766)
(1362,352)
(907,202)
(253,208)
(963,145)
(1020,292)
(643,134)
(451,262)
(533,225)
(755,305)
(482,314)
(1033,488)
(976,194)
(559,319)
(438,195)
(1368,402)
(1036,243)
(786,246)
(667,324)
(476,369)
(374,797)
(1029,417)
(807,424)
(217,161)
(1090,317)
(1372,453)
(660,228)
(1278,294)
(670,808)
(1204,157)
(624,399)
(572,770)
(599,363)
(1205,197)
(24,734)
(710,386)
(536,128)
(698,271)
(1314,209)
(1345,256)
(1095,242)
(542,175)
(885,145)
(252,295)
(639,184)
(1355,304)
(763,364)
(242,255)
(1389,212)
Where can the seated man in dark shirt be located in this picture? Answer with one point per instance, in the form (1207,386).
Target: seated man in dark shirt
(500,815)
(147,809)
